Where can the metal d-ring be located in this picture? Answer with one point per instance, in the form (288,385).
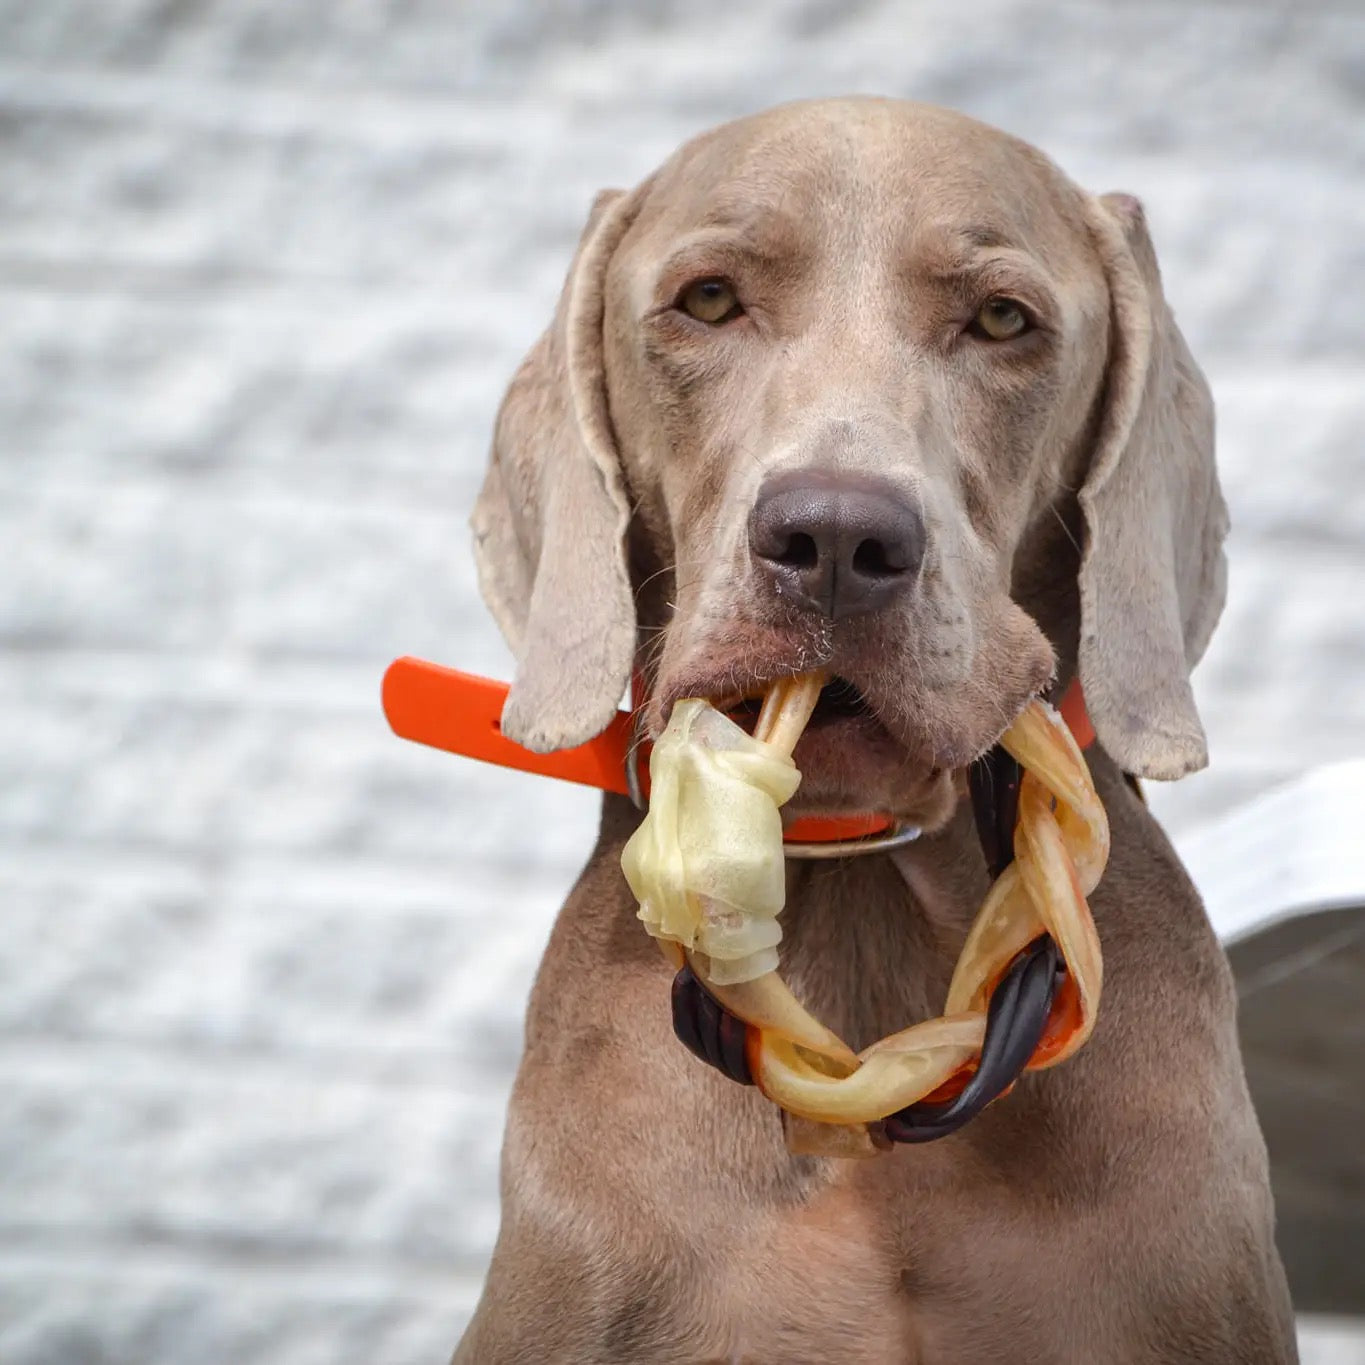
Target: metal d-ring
(896,837)
(634,787)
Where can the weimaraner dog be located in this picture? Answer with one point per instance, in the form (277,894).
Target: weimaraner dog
(921,326)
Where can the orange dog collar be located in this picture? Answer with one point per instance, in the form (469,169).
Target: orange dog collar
(461,713)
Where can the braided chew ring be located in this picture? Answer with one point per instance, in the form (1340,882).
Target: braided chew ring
(706,866)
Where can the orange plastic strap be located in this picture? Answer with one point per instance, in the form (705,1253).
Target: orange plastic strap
(1072,710)
(462,714)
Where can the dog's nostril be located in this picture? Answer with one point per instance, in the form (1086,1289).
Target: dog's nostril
(799,552)
(873,559)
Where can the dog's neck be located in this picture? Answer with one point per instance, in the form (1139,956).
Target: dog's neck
(869,943)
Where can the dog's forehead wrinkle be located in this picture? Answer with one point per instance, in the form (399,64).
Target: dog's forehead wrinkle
(751,216)
(976,236)
(770,247)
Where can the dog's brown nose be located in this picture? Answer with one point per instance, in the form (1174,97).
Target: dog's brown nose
(839,544)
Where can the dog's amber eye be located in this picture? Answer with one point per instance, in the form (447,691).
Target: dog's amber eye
(999,319)
(710,301)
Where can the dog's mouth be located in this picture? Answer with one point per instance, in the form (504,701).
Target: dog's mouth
(860,749)
(840,700)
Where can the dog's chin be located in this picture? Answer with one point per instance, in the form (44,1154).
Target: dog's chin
(853,765)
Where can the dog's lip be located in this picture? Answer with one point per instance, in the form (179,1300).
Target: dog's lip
(843,701)
(839,701)
(723,690)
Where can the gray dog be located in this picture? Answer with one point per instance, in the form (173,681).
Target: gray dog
(835,326)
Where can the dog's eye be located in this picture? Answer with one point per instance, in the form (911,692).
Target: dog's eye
(1000,319)
(710,301)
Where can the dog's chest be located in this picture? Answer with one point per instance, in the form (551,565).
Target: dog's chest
(813,1284)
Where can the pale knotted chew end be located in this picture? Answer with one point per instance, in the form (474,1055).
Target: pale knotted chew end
(706,864)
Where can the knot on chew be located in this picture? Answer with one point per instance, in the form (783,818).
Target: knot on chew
(706,863)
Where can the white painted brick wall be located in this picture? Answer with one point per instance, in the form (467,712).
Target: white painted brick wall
(263,271)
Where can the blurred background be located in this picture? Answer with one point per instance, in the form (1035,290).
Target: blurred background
(264,270)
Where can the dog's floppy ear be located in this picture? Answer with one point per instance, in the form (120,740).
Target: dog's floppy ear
(550,522)
(1153,576)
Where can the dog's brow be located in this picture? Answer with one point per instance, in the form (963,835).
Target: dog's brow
(957,247)
(980,236)
(725,248)
(749,218)
(952,262)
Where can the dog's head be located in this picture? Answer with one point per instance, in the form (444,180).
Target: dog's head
(870,387)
